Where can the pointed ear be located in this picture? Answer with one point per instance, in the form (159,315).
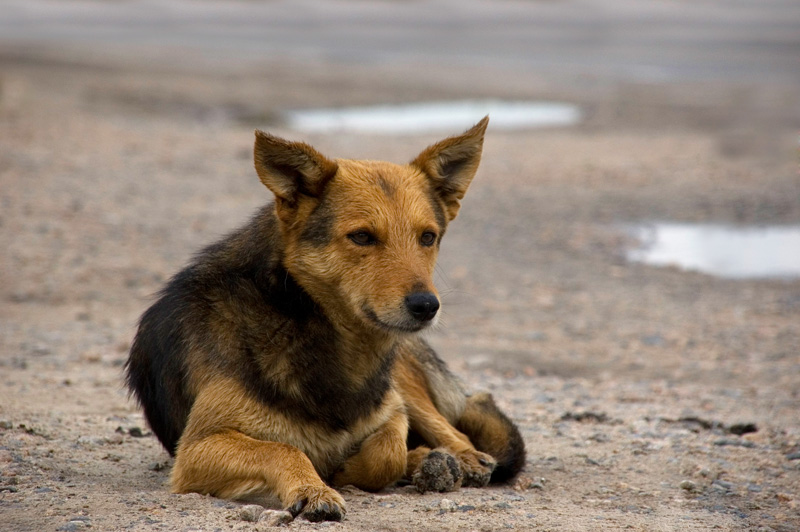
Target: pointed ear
(291,169)
(451,164)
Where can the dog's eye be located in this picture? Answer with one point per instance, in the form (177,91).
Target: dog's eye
(363,238)
(428,238)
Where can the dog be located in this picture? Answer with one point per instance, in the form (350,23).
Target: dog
(286,359)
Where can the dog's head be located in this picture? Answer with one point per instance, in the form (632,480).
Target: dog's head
(362,236)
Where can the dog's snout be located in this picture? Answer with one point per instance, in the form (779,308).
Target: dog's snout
(422,305)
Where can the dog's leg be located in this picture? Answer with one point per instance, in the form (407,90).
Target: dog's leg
(492,432)
(381,460)
(232,465)
(432,426)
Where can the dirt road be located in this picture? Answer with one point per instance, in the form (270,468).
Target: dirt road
(649,398)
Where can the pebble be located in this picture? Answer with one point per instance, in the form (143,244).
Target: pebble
(76,523)
(735,443)
(447,505)
(688,485)
(722,485)
(250,512)
(274,518)
(793,456)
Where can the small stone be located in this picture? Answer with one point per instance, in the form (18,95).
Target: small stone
(250,512)
(654,340)
(114,439)
(274,518)
(688,485)
(742,428)
(76,523)
(734,443)
(722,485)
(447,505)
(793,456)
(158,466)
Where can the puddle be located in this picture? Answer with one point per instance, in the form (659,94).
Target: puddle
(725,251)
(434,117)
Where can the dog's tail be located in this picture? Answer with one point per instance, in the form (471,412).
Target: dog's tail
(491,432)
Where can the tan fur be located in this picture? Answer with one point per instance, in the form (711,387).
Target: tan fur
(340,257)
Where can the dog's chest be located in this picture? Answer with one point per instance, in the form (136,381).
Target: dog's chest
(329,449)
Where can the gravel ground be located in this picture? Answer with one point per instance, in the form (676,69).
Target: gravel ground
(649,398)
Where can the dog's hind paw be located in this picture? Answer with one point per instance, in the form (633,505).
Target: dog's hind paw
(438,471)
(477,468)
(318,503)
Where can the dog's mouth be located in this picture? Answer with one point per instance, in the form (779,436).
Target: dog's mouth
(409,325)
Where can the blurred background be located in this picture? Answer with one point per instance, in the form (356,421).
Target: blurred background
(630,245)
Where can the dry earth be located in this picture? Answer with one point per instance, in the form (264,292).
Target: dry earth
(649,399)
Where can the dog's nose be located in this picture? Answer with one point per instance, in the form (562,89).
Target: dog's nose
(422,305)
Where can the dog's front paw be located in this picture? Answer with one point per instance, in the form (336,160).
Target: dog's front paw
(317,503)
(477,467)
(438,471)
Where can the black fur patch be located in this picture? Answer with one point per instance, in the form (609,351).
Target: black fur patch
(318,228)
(387,187)
(155,375)
(438,213)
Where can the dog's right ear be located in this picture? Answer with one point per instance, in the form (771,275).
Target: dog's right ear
(291,169)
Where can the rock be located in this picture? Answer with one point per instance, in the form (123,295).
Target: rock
(158,466)
(274,518)
(742,428)
(734,443)
(75,524)
(447,505)
(793,456)
(688,485)
(250,512)
(723,486)
(654,340)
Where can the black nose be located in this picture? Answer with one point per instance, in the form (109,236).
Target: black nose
(422,305)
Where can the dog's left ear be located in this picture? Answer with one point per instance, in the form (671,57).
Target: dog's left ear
(451,164)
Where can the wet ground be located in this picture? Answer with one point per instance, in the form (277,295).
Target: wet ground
(649,397)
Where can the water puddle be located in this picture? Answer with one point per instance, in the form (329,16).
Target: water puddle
(731,252)
(434,117)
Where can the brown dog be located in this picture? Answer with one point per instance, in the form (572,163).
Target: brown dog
(287,355)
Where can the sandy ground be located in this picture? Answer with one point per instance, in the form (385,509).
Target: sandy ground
(649,399)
